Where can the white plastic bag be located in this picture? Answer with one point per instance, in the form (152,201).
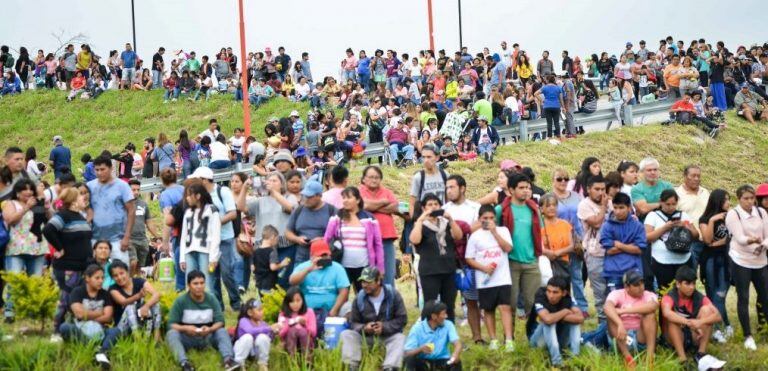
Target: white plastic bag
(546,270)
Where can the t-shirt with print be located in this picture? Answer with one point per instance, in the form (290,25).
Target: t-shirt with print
(138,284)
(433,184)
(90,303)
(224,206)
(321,286)
(139,231)
(591,240)
(622,300)
(659,252)
(485,137)
(310,223)
(483,248)
(186,311)
(719,232)
(108,202)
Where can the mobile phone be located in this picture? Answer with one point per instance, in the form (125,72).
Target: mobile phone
(485,224)
(436,213)
(675,218)
(324,262)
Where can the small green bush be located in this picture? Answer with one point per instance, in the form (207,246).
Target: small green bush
(34,297)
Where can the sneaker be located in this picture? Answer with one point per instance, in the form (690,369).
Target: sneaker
(728,332)
(103,361)
(174,99)
(750,344)
(719,337)
(494,345)
(230,364)
(186,366)
(165,101)
(56,338)
(241,290)
(713,132)
(509,346)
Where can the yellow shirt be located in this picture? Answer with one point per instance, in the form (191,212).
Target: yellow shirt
(692,204)
(83,61)
(523,72)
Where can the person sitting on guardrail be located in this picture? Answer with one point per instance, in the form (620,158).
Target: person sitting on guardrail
(396,142)
(485,138)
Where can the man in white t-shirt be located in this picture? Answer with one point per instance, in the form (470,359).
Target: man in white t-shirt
(212,131)
(486,253)
(591,213)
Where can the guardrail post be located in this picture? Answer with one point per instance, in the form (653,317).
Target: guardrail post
(523,130)
(628,115)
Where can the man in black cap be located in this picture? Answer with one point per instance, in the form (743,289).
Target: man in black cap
(688,316)
(378,314)
(631,314)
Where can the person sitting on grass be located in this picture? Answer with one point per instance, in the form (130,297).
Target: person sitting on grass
(254,336)
(78,86)
(684,112)
(378,315)
(689,316)
(749,105)
(132,310)
(187,84)
(92,309)
(297,324)
(101,251)
(426,347)
(197,321)
(172,87)
(559,320)
(631,314)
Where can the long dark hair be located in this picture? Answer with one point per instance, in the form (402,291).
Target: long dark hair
(184,140)
(244,308)
(31,154)
(205,197)
(286,308)
(714,204)
(351,192)
(584,174)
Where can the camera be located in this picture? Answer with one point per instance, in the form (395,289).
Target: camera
(323,262)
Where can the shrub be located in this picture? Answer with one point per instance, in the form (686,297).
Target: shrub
(272,303)
(34,297)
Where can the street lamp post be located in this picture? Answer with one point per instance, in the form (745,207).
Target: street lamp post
(133,23)
(461,42)
(431,38)
(244,75)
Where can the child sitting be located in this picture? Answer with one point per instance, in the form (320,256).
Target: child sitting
(265,261)
(466,148)
(296,323)
(448,150)
(253,335)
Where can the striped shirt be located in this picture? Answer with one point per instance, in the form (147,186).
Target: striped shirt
(355,249)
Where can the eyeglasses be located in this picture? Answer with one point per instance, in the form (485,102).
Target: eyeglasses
(562,179)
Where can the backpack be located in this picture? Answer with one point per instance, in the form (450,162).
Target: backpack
(5,235)
(679,239)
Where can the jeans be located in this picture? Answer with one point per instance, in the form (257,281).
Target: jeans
(207,93)
(179,343)
(396,148)
(242,271)
(66,280)
(484,147)
(577,283)
(226,272)
(347,75)
(130,320)
(181,281)
(512,117)
(392,82)
(219,164)
(365,80)
(285,273)
(352,349)
(32,265)
(156,79)
(552,336)
(247,346)
(71,331)
(257,100)
(526,279)
(198,261)
(553,121)
(604,77)
(597,282)
(390,263)
(717,282)
(171,94)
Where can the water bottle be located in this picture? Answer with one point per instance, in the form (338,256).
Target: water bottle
(489,275)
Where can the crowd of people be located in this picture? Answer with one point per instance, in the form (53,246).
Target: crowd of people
(300,223)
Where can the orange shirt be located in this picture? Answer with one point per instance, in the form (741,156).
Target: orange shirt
(672,75)
(557,235)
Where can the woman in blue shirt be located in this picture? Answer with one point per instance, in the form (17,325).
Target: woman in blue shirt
(164,153)
(552,96)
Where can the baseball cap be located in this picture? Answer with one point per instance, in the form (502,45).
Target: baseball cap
(762,190)
(632,277)
(273,119)
(709,362)
(312,188)
(744,85)
(301,152)
(482,118)
(202,173)
(283,156)
(509,164)
(319,247)
(370,274)
(57,138)
(629,43)
(295,113)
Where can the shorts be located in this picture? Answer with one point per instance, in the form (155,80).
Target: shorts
(470,294)
(128,74)
(138,251)
(492,297)
(633,344)
(379,78)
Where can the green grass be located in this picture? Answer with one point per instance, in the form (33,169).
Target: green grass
(738,156)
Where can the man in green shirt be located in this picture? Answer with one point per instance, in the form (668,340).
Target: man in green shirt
(482,106)
(192,64)
(520,214)
(196,321)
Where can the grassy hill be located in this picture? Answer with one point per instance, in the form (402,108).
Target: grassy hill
(736,157)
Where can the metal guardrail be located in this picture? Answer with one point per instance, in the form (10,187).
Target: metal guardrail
(153,185)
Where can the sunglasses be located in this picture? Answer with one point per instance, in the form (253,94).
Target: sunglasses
(562,179)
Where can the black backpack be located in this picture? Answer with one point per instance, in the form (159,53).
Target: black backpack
(679,239)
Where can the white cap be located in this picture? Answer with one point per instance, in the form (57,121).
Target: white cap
(203,173)
(295,113)
(709,362)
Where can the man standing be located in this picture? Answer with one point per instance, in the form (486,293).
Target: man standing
(545,66)
(689,317)
(282,63)
(693,201)
(157,68)
(197,321)
(591,213)
(113,209)
(567,65)
(142,222)
(430,180)
(70,63)
(60,157)
(306,69)
(128,62)
(559,320)
(308,221)
(225,203)
(378,315)
(631,314)
(645,196)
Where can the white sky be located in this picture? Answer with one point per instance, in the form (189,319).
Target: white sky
(325,28)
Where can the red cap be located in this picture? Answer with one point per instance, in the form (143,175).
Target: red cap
(319,247)
(762,190)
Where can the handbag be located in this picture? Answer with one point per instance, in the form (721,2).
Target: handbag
(337,246)
(679,239)
(244,243)
(464,279)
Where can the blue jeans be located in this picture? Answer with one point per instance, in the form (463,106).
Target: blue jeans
(168,93)
(207,94)
(238,94)
(696,249)
(219,164)
(613,284)
(365,80)
(70,331)
(533,115)
(257,100)
(67,281)
(717,282)
(395,148)
(226,272)
(315,101)
(285,273)
(198,261)
(181,281)
(179,343)
(484,147)
(392,82)
(604,77)
(390,264)
(348,76)
(242,271)
(157,79)
(32,265)
(577,283)
(552,336)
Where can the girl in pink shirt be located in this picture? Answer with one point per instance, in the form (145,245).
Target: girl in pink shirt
(297,323)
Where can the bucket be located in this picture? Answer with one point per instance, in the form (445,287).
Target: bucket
(165,269)
(333,328)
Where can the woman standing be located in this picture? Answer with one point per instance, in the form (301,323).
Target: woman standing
(628,171)
(628,94)
(242,271)
(614,97)
(623,70)
(50,70)
(70,235)
(25,251)
(748,225)
(23,63)
(200,234)
(382,203)
(552,96)
(589,167)
(164,153)
(689,79)
(433,236)
(33,167)
(184,150)
(714,257)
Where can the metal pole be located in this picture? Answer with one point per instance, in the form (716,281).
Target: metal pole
(244,75)
(431,38)
(461,42)
(133,22)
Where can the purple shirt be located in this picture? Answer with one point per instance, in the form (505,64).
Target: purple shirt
(245,326)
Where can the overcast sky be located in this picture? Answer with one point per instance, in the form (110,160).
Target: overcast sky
(325,28)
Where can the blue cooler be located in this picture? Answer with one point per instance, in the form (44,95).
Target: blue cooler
(333,328)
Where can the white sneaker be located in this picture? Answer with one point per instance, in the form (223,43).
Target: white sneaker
(174,99)
(750,344)
(494,345)
(102,360)
(719,337)
(56,338)
(509,346)
(165,101)
(728,332)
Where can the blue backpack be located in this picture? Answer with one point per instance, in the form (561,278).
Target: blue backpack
(5,236)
